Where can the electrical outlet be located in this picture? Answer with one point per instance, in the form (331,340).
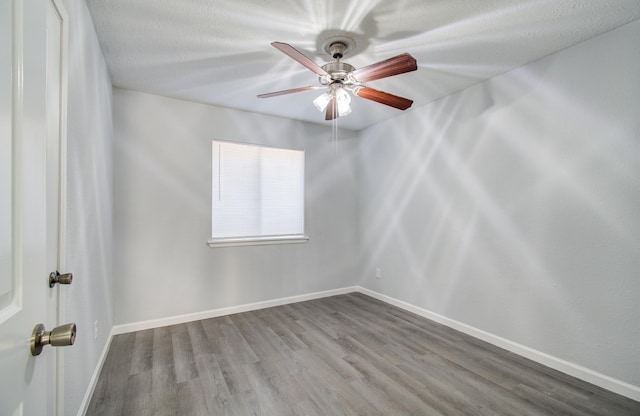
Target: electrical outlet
(95,330)
(378,273)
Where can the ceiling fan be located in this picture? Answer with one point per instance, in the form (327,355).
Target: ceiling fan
(340,77)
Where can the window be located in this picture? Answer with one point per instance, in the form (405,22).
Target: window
(257,195)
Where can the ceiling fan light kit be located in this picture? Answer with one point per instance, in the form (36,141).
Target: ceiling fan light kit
(340,77)
(339,94)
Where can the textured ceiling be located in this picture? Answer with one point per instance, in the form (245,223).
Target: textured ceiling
(218,51)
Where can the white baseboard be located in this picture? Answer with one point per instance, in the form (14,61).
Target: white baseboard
(214,313)
(94,377)
(572,369)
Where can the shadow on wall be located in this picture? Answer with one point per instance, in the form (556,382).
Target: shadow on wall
(510,206)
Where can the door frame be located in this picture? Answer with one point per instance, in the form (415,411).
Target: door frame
(56,304)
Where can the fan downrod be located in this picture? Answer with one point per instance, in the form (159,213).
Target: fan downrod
(337,50)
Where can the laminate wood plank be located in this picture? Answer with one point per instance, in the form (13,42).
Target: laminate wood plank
(548,404)
(183,357)
(113,377)
(294,393)
(164,385)
(137,398)
(439,393)
(241,326)
(142,354)
(318,340)
(234,375)
(218,398)
(258,336)
(402,399)
(213,331)
(309,311)
(342,355)
(200,342)
(395,317)
(282,325)
(233,343)
(283,365)
(479,394)
(308,407)
(280,344)
(291,314)
(330,354)
(380,403)
(233,353)
(162,355)
(474,395)
(190,399)
(364,319)
(512,370)
(322,318)
(325,377)
(365,352)
(328,391)
(265,392)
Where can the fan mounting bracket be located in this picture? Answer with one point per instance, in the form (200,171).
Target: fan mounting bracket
(338,46)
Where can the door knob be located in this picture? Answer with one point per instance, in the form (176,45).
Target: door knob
(63,279)
(58,337)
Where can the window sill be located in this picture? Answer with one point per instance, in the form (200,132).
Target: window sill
(257,241)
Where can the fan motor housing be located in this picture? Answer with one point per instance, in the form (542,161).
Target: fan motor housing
(338,70)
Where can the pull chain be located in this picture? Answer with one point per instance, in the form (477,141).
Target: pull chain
(334,131)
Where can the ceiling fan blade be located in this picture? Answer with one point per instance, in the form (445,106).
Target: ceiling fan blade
(298,56)
(332,109)
(383,97)
(291,91)
(387,68)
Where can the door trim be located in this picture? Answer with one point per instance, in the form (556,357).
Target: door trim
(60,295)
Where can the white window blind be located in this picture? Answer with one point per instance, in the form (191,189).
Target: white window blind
(257,194)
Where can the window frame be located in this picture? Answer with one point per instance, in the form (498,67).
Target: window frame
(239,241)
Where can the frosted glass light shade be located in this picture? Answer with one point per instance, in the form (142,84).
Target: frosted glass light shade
(343,109)
(343,99)
(322,101)
(342,96)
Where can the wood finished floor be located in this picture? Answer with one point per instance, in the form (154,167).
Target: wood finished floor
(342,355)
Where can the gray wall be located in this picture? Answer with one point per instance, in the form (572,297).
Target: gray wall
(89,203)
(514,206)
(163,266)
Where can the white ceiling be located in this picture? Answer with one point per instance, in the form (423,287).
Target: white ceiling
(218,51)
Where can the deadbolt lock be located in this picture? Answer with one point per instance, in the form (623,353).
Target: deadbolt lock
(63,279)
(58,337)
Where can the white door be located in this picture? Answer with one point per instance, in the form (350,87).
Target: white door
(32,132)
